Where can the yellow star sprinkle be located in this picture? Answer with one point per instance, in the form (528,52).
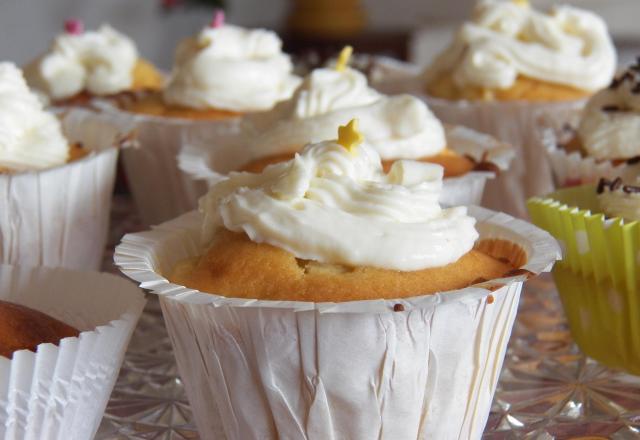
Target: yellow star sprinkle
(523,3)
(349,136)
(343,58)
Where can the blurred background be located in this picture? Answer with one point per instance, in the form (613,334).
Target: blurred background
(407,29)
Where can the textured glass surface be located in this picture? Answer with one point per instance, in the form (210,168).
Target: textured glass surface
(548,390)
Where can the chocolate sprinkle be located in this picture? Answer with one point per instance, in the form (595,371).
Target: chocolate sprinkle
(487,166)
(398,308)
(613,185)
(633,160)
(611,108)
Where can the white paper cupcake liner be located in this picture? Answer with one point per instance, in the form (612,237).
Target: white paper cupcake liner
(257,369)
(203,159)
(571,168)
(60,392)
(160,191)
(60,216)
(513,122)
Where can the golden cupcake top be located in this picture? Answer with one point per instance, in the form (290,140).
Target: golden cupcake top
(231,68)
(333,203)
(506,42)
(398,126)
(100,62)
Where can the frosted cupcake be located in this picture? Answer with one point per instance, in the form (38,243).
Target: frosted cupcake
(222,72)
(599,227)
(606,142)
(397,127)
(324,280)
(507,65)
(55,192)
(219,75)
(80,66)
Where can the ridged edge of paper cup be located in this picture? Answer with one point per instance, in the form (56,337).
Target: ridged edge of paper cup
(61,391)
(140,257)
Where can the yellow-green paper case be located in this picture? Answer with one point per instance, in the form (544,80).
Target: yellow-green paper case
(598,279)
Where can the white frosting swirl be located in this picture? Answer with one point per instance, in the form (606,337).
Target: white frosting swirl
(100,62)
(335,206)
(399,126)
(30,138)
(621,203)
(567,46)
(231,68)
(610,124)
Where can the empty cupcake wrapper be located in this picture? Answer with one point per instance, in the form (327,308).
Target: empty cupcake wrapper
(60,216)
(599,278)
(203,158)
(512,122)
(268,369)
(60,392)
(160,190)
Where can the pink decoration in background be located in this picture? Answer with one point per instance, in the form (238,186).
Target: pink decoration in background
(74,26)
(218,19)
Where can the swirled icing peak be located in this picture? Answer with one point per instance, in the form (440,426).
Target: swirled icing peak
(30,138)
(504,39)
(610,124)
(100,62)
(400,126)
(337,206)
(231,68)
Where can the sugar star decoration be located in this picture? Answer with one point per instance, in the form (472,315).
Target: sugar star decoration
(349,136)
(343,58)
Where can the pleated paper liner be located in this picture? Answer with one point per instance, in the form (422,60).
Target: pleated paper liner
(396,368)
(515,123)
(204,158)
(61,391)
(160,190)
(599,278)
(60,216)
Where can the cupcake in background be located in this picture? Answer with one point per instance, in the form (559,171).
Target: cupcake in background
(324,280)
(219,75)
(223,72)
(56,180)
(508,65)
(599,278)
(81,65)
(397,127)
(606,142)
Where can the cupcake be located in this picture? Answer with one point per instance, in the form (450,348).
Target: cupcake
(328,297)
(508,65)
(56,180)
(599,228)
(219,75)
(222,72)
(80,66)
(397,127)
(63,335)
(606,142)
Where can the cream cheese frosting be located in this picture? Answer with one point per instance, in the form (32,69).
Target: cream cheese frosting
(100,62)
(610,124)
(399,126)
(30,138)
(620,200)
(231,68)
(506,39)
(335,205)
